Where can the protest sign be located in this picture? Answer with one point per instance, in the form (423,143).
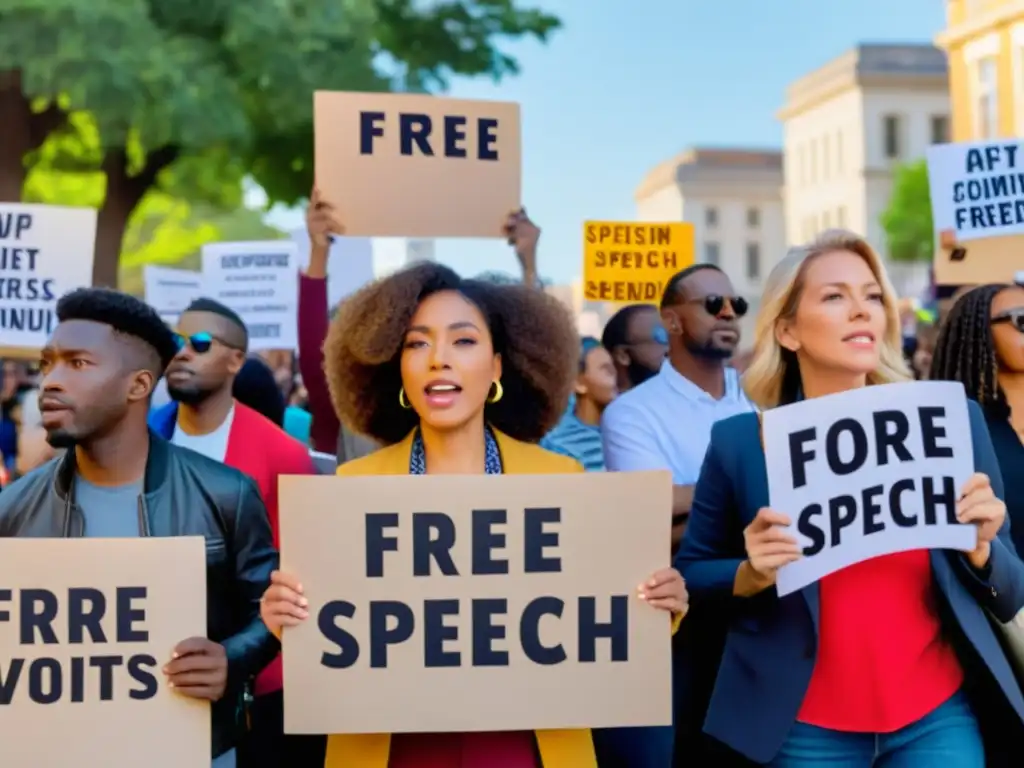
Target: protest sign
(413,165)
(86,626)
(45,251)
(632,262)
(869,472)
(169,290)
(259,281)
(515,595)
(350,263)
(977,197)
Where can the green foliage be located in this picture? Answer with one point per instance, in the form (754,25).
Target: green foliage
(908,219)
(229,84)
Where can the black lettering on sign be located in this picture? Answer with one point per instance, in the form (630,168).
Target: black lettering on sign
(45,618)
(424,546)
(880,440)
(992,194)
(624,291)
(20,283)
(416,135)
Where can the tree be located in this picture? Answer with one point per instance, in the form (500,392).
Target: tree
(908,219)
(188,97)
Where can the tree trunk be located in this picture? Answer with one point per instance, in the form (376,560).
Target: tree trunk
(15,136)
(123,194)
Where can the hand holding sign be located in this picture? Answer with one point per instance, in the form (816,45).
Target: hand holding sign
(198,668)
(978,504)
(666,591)
(768,545)
(322,220)
(283,604)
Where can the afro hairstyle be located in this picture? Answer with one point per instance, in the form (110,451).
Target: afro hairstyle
(532,331)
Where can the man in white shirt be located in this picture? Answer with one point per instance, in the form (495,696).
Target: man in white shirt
(665,423)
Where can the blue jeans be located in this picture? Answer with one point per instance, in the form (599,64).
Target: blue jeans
(947,737)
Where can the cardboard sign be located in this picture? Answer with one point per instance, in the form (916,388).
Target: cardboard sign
(85,627)
(869,472)
(512,598)
(169,290)
(631,262)
(259,281)
(410,165)
(977,197)
(45,251)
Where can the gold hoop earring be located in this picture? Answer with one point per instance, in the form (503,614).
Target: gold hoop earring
(403,400)
(498,392)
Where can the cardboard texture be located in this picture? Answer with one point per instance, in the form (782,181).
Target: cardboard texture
(984,260)
(390,194)
(614,533)
(167,730)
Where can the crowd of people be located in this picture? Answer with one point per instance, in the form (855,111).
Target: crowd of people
(128,428)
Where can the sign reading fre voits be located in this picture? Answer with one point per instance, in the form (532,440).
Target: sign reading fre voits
(86,626)
(515,595)
(631,262)
(411,165)
(977,197)
(869,472)
(45,251)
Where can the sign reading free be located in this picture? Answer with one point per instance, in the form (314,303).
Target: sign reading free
(629,262)
(413,165)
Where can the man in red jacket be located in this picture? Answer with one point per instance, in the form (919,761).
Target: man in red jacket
(205,418)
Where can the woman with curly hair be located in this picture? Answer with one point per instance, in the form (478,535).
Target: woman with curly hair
(454,376)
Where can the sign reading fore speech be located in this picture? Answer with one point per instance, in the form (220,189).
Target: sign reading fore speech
(516,595)
(869,472)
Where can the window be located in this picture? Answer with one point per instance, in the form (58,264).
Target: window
(986,118)
(802,163)
(826,220)
(711,217)
(753,218)
(753,261)
(839,152)
(711,254)
(841,217)
(940,129)
(814,161)
(825,158)
(891,136)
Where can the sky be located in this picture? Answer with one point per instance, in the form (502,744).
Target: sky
(627,84)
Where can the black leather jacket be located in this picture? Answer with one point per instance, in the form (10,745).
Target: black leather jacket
(186,494)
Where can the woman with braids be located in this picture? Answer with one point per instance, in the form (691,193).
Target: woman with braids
(891,662)
(454,377)
(981,345)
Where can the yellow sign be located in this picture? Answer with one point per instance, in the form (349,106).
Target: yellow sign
(630,262)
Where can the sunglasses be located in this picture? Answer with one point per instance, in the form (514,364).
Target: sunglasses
(1014,317)
(714,304)
(200,342)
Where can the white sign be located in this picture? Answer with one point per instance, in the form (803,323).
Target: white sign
(977,189)
(169,290)
(869,472)
(349,263)
(45,251)
(259,281)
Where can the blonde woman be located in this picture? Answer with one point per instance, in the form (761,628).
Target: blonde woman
(876,664)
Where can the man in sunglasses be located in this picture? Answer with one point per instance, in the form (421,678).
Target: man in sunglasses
(637,342)
(204,416)
(665,424)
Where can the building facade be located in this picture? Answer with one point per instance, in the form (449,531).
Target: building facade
(984,41)
(733,197)
(846,128)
